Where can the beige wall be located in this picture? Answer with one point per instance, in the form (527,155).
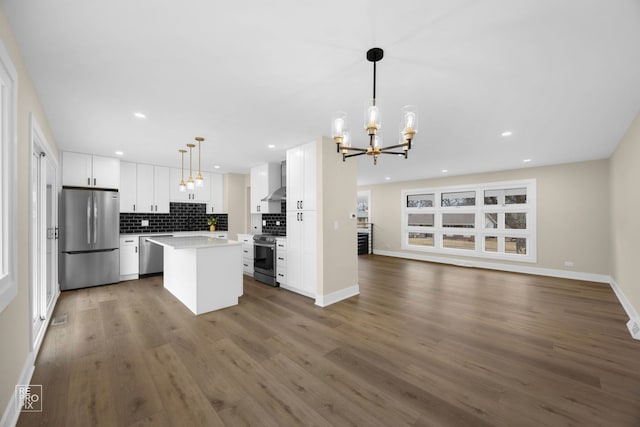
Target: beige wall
(625,214)
(337,199)
(572,214)
(235,187)
(14,320)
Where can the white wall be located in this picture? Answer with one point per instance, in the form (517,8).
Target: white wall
(625,214)
(572,214)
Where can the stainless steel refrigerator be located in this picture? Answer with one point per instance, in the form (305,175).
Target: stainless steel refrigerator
(89,238)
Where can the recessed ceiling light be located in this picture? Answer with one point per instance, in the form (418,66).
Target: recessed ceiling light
(139,115)
(216,166)
(445,170)
(271,146)
(507,133)
(387,178)
(119,153)
(526,160)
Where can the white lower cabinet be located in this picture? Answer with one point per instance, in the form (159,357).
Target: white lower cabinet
(301,252)
(129,268)
(281,261)
(247,253)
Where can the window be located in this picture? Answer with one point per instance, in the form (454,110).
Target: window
(494,220)
(8,159)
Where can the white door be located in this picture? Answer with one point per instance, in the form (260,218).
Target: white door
(44,243)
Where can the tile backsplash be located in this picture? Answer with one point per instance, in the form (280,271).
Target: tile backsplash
(181,217)
(270,226)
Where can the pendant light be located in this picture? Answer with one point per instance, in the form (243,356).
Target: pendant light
(199,179)
(182,186)
(372,125)
(190,183)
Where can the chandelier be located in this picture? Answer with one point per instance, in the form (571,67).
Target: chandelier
(408,125)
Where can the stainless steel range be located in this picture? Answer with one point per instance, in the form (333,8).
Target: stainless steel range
(264,259)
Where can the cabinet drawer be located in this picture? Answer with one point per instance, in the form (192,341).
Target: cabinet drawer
(281,277)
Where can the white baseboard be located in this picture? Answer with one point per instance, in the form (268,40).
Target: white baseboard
(634,320)
(298,291)
(577,275)
(334,297)
(11,413)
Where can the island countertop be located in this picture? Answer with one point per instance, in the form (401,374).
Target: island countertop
(191,242)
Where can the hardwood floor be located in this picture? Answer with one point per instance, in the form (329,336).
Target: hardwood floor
(423,345)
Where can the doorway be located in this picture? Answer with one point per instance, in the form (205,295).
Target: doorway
(44,289)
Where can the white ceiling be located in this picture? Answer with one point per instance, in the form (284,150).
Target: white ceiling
(562,75)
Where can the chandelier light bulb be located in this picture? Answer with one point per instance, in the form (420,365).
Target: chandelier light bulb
(182,187)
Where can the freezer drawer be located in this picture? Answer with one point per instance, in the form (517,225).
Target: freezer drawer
(85,269)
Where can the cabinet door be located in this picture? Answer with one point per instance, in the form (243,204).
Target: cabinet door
(258,186)
(145,188)
(128,256)
(308,177)
(128,191)
(174,190)
(106,172)
(294,250)
(216,204)
(203,194)
(295,160)
(161,184)
(309,268)
(76,169)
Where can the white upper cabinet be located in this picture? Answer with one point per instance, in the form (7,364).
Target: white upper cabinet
(128,191)
(197,195)
(264,180)
(301,177)
(153,189)
(145,188)
(216,203)
(85,170)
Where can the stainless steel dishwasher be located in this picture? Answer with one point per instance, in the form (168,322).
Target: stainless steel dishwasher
(151,258)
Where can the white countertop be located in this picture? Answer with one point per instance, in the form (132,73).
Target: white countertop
(192,242)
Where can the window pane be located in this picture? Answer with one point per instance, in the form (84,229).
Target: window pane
(464,198)
(421,220)
(491,196)
(491,220)
(459,220)
(515,196)
(421,239)
(515,220)
(491,243)
(515,245)
(458,241)
(420,200)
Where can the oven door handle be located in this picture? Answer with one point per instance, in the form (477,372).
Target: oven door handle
(264,245)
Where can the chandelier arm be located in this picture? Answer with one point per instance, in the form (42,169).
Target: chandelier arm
(394,146)
(392,152)
(364,150)
(344,156)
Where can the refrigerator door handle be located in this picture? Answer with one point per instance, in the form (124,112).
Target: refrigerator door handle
(95,219)
(89,220)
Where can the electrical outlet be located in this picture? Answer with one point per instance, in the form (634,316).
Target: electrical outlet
(145,223)
(264,222)
(277,222)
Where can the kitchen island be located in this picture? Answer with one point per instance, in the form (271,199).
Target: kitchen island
(203,272)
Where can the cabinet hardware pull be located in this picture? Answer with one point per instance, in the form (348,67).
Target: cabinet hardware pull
(88,181)
(134,206)
(151,208)
(136,249)
(95,182)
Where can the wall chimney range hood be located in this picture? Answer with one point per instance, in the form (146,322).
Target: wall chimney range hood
(281,193)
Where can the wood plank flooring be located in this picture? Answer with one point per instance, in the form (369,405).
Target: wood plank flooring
(423,345)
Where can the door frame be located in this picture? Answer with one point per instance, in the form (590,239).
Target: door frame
(38,144)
